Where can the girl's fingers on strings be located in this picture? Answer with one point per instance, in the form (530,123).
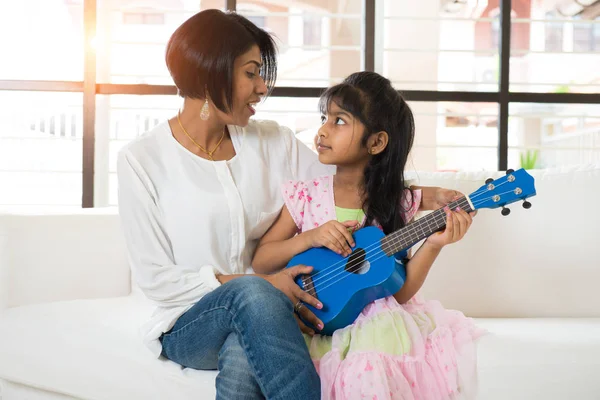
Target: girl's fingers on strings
(341,240)
(449,223)
(457,227)
(333,246)
(344,230)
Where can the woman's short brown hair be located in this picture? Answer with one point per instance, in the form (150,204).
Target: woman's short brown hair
(202,51)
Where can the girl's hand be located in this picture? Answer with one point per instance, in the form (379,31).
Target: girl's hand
(284,281)
(457,225)
(333,235)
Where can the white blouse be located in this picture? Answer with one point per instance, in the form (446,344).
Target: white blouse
(186,218)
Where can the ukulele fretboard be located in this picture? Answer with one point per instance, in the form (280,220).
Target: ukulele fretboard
(420,229)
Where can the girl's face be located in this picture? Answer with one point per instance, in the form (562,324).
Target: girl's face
(339,140)
(248,88)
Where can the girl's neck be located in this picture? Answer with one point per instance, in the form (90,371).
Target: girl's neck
(349,177)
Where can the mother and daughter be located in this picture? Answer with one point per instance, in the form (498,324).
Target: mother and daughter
(214,206)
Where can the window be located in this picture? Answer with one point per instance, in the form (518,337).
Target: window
(312,30)
(46,35)
(40,148)
(425,47)
(453,136)
(554,63)
(554,135)
(554,33)
(319,43)
(586,35)
(143,18)
(130,43)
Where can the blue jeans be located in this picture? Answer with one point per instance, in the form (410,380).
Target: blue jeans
(246,329)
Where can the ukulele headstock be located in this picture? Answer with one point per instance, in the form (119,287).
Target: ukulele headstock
(514,186)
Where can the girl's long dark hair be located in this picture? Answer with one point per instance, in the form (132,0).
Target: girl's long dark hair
(371,99)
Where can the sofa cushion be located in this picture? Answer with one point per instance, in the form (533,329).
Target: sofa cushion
(90,349)
(529,358)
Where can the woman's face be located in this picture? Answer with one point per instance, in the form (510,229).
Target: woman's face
(248,87)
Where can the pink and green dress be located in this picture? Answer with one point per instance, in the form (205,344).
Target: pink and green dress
(417,350)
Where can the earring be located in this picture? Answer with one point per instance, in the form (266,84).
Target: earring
(204,113)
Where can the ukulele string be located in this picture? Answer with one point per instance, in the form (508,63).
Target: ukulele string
(356,264)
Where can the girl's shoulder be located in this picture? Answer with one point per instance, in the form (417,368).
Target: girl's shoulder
(309,201)
(319,185)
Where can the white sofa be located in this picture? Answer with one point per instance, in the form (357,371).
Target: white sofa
(69,323)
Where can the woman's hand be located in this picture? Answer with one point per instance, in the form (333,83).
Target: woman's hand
(443,197)
(284,281)
(333,235)
(457,225)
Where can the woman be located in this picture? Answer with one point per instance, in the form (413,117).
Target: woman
(195,195)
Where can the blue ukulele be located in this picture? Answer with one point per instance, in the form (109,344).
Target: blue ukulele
(345,285)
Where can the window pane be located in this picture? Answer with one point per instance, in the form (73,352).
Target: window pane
(40,148)
(454,137)
(132,36)
(318,43)
(120,119)
(558,51)
(553,135)
(41,40)
(428,47)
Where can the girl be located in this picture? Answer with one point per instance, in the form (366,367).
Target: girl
(400,347)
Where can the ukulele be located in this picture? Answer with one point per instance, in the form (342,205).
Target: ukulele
(345,285)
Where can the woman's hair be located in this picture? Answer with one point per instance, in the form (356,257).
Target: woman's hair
(371,99)
(201,53)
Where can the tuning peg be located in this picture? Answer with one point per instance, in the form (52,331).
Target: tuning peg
(505,211)
(489,180)
(509,171)
(526,205)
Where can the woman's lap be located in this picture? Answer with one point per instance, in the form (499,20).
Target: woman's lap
(261,319)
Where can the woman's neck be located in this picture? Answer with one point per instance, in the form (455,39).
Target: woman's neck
(205,133)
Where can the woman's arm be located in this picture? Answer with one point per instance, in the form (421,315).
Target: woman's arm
(433,197)
(148,246)
(457,225)
(277,247)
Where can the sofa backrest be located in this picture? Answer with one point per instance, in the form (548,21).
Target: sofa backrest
(542,262)
(58,256)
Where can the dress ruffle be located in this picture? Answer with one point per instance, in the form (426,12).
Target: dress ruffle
(417,350)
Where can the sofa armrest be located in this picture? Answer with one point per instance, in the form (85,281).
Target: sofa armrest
(66,256)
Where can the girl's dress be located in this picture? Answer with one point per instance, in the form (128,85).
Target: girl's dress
(417,350)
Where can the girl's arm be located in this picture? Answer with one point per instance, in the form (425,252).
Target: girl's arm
(277,247)
(280,243)
(457,224)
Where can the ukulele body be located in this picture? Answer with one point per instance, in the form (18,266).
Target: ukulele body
(345,285)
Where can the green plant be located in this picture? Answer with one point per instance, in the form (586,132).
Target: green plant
(529,159)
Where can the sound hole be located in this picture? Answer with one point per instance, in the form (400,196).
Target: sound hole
(356,262)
